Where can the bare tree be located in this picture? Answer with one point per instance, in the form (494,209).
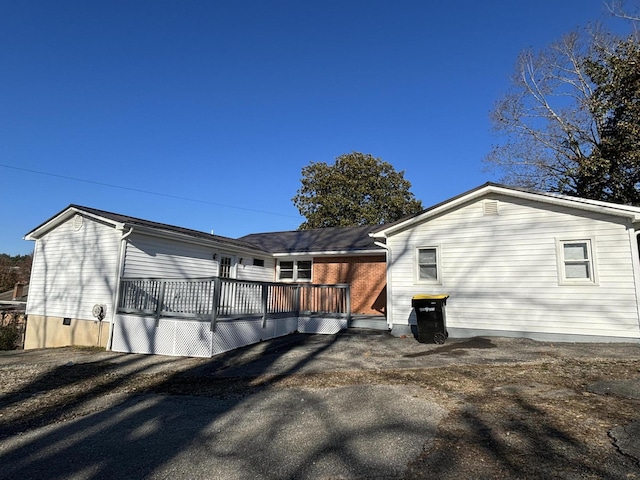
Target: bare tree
(551,124)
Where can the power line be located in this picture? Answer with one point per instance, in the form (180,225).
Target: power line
(148,192)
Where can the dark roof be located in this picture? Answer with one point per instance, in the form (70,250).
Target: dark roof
(139,222)
(330,239)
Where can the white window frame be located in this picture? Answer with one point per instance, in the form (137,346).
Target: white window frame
(590,261)
(232,266)
(294,278)
(418,279)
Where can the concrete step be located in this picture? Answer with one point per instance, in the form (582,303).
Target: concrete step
(375,322)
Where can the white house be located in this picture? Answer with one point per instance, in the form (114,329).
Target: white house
(518,263)
(81,254)
(133,285)
(514,262)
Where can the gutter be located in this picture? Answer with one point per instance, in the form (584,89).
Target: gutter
(116,299)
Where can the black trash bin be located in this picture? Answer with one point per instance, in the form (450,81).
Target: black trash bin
(432,327)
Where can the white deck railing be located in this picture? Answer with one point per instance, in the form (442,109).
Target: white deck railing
(214,297)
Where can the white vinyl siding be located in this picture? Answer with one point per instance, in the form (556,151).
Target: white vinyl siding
(155,257)
(152,257)
(73,270)
(247,271)
(502,270)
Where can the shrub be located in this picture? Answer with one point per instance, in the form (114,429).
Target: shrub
(10,336)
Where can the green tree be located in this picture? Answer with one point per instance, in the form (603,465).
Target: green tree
(569,122)
(612,171)
(358,189)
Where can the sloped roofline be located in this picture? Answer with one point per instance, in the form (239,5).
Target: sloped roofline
(614,209)
(317,242)
(123,222)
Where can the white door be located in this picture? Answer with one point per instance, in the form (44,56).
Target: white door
(227,266)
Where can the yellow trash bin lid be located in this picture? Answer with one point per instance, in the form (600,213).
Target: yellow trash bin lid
(424,296)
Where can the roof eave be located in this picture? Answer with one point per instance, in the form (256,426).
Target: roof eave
(580,204)
(211,242)
(326,253)
(62,217)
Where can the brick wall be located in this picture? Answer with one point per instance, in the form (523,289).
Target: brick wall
(366,275)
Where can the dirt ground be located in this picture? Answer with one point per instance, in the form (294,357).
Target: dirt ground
(552,415)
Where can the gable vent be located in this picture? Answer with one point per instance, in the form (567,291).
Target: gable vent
(490,207)
(77,222)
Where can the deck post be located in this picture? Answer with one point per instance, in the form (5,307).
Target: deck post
(297,300)
(215,303)
(348,294)
(160,300)
(265,298)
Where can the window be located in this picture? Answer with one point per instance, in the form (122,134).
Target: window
(304,270)
(225,266)
(575,259)
(294,270)
(428,270)
(258,262)
(286,270)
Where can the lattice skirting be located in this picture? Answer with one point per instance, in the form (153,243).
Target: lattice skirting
(134,334)
(326,326)
(238,333)
(179,337)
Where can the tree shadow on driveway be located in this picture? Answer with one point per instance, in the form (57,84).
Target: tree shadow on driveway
(348,432)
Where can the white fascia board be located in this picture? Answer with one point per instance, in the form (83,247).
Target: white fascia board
(333,253)
(430,213)
(613,209)
(595,206)
(154,232)
(59,219)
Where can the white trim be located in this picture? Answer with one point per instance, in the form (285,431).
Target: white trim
(233,266)
(116,298)
(625,211)
(635,263)
(153,232)
(294,278)
(150,231)
(63,217)
(389,284)
(416,266)
(350,253)
(591,259)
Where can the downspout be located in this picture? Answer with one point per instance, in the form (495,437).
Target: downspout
(388,272)
(636,270)
(116,297)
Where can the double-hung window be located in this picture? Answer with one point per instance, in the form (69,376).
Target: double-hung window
(294,270)
(575,261)
(428,265)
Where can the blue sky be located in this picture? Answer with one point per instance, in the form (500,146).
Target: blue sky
(215,106)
